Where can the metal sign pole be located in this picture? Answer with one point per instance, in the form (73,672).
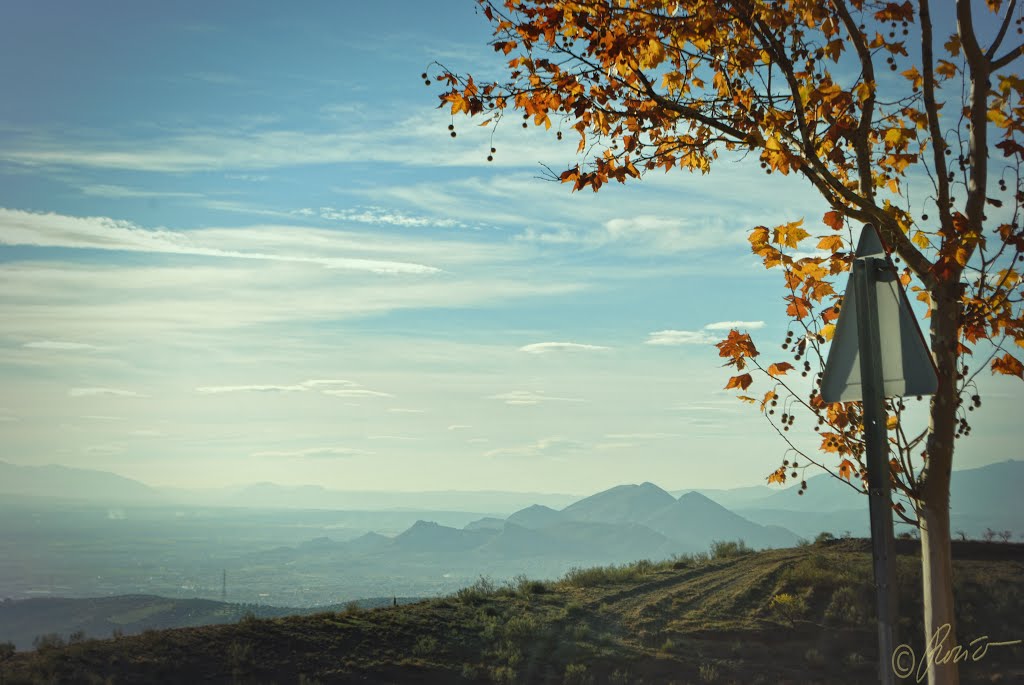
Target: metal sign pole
(865,272)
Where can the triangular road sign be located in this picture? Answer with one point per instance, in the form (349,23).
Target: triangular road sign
(907,366)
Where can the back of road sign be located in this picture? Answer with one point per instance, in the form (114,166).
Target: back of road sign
(907,367)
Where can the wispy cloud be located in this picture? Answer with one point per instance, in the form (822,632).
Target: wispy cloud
(553,446)
(458,427)
(728,325)
(313,452)
(701,337)
(640,436)
(545,347)
(380,215)
(674,337)
(527,397)
(61,346)
(646,233)
(102,233)
(402,410)
(356,392)
(104,450)
(107,392)
(297,387)
(117,192)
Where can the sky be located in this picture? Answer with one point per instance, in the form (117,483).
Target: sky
(238,244)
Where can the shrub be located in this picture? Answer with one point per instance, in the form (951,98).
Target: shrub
(6,650)
(847,606)
(482,588)
(525,587)
(709,673)
(248,618)
(48,641)
(823,537)
(425,646)
(352,608)
(521,628)
(787,607)
(503,675)
(240,654)
(725,549)
(607,575)
(576,674)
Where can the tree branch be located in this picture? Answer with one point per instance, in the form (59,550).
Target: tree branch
(932,112)
(1008,57)
(867,67)
(990,53)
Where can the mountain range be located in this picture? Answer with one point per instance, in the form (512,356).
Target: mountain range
(984,497)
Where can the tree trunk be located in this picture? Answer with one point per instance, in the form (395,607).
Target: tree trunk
(936,555)
(937,580)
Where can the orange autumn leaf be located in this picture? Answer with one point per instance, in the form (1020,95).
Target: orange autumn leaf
(779,369)
(742,382)
(845,469)
(1008,365)
(833,220)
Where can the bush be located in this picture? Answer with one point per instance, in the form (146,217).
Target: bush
(523,586)
(709,673)
(576,674)
(6,650)
(522,628)
(248,618)
(725,549)
(607,575)
(482,588)
(353,608)
(48,641)
(787,607)
(425,646)
(847,607)
(813,657)
(823,537)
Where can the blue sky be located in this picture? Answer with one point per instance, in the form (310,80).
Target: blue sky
(237,243)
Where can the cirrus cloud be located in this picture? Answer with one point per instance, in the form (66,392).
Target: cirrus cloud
(545,347)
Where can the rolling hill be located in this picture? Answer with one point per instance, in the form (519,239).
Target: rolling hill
(782,616)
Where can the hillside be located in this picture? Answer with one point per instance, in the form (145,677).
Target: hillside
(797,615)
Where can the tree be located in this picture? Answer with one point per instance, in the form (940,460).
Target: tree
(863,99)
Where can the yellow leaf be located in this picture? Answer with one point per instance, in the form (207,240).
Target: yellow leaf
(779,369)
(892,422)
(828,330)
(791,234)
(913,76)
(945,69)
(832,243)
(920,239)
